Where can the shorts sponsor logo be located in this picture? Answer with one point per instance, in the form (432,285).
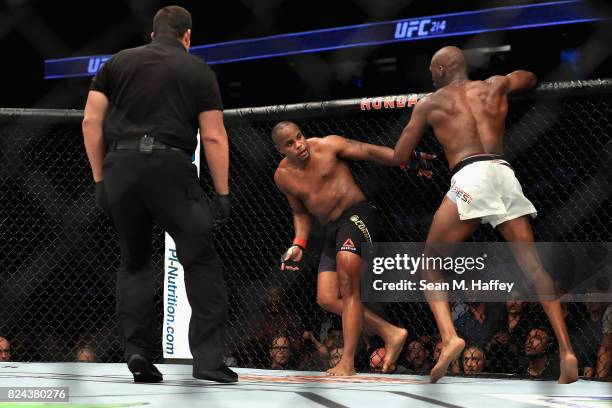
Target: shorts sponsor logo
(362,227)
(462,195)
(348,245)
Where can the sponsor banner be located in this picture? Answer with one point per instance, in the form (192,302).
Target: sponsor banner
(370,34)
(486,271)
(177,312)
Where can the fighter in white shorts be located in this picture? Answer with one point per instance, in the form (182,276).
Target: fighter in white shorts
(468,119)
(484,186)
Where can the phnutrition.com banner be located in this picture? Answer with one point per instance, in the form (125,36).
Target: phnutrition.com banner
(487,272)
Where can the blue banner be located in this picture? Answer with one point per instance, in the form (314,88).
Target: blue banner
(444,25)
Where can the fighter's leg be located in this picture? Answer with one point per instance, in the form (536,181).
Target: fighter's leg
(446,227)
(328,297)
(349,269)
(519,230)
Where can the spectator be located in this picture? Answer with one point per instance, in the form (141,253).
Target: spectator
(516,325)
(280,353)
(473,359)
(502,353)
(335,354)
(334,334)
(586,337)
(276,317)
(604,354)
(53,349)
(315,353)
(538,348)
(5,349)
(21,348)
(253,354)
(454,368)
(418,358)
(477,324)
(85,354)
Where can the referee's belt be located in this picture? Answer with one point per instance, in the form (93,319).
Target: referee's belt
(146,144)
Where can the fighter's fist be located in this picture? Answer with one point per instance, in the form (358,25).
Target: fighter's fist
(421,164)
(292,258)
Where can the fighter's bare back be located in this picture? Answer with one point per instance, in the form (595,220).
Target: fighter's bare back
(468,117)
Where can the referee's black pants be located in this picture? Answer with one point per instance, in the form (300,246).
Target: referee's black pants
(164,186)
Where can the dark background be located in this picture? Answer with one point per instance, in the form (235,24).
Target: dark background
(34,30)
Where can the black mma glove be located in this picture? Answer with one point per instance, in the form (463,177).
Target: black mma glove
(101,199)
(221,210)
(415,163)
(420,164)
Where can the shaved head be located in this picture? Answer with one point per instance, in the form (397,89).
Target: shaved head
(447,65)
(277,130)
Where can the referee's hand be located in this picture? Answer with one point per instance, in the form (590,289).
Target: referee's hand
(221,210)
(101,199)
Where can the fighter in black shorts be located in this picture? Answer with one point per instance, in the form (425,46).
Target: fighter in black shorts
(358,224)
(316,179)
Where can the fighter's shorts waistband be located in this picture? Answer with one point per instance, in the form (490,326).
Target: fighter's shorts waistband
(344,217)
(476,158)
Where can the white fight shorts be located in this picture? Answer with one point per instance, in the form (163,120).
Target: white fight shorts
(485,187)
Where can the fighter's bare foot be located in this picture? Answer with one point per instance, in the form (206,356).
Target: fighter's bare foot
(393,348)
(342,369)
(568,369)
(450,352)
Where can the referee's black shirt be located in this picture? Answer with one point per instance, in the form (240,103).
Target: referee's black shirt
(158,89)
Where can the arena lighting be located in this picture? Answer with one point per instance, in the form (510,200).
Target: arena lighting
(372,34)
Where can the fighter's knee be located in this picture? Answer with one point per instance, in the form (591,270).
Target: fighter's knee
(326,303)
(345,284)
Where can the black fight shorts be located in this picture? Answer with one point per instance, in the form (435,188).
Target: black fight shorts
(358,224)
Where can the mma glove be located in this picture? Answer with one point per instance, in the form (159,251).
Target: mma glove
(293,258)
(221,210)
(416,163)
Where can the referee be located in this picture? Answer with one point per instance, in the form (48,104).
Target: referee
(142,113)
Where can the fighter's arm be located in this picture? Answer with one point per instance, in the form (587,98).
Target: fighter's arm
(413,131)
(521,81)
(301,216)
(355,150)
(93,120)
(517,81)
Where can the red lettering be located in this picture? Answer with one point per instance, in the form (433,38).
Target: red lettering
(412,99)
(390,102)
(366,103)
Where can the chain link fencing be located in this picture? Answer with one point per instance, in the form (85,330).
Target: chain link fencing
(59,252)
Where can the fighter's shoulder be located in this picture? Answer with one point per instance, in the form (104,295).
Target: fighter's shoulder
(498,83)
(331,143)
(430,100)
(330,140)
(281,172)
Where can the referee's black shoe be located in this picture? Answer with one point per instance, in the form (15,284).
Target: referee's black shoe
(222,374)
(143,370)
